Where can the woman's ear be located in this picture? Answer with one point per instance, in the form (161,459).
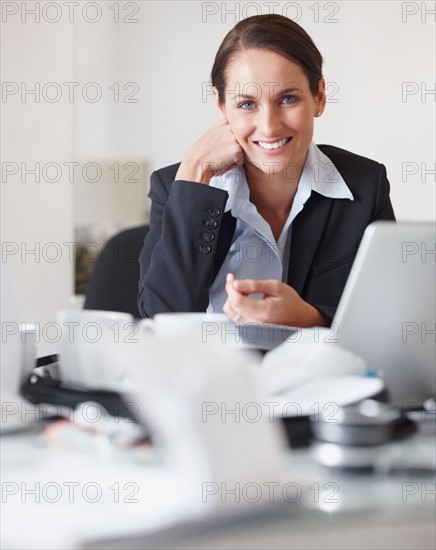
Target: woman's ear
(219,106)
(320,97)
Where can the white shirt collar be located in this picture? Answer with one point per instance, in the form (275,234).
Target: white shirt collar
(319,174)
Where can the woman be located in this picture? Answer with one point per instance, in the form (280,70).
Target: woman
(257,221)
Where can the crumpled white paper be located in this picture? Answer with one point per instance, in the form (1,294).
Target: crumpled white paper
(311,371)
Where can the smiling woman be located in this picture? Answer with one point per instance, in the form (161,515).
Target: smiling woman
(258,221)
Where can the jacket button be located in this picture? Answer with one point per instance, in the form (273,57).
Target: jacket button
(208,237)
(205,248)
(211,224)
(214,212)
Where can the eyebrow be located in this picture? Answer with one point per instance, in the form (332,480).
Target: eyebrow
(287,90)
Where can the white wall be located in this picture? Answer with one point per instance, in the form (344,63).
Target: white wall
(370,48)
(37,215)
(369,53)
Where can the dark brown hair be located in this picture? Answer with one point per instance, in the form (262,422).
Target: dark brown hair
(270,32)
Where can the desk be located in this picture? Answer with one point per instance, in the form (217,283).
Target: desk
(158,507)
(54,498)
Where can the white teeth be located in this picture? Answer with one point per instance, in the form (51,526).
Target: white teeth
(274,145)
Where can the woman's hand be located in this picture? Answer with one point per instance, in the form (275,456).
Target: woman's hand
(215,153)
(280,304)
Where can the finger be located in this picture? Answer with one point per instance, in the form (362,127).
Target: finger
(268,287)
(249,309)
(232,293)
(228,310)
(238,304)
(231,313)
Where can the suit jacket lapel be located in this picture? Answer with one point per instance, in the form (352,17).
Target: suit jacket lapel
(307,231)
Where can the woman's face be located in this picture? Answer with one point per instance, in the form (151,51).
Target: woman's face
(270,109)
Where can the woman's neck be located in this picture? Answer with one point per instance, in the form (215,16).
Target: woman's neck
(273,195)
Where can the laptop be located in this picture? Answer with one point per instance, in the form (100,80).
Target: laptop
(388,307)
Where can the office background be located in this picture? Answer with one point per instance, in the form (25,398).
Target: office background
(121,88)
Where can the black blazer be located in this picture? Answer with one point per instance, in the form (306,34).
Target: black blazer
(190,236)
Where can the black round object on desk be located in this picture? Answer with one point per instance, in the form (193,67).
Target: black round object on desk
(299,428)
(365,424)
(357,435)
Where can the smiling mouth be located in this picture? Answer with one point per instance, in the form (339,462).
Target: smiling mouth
(273,145)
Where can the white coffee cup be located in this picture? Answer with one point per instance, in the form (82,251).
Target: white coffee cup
(201,327)
(92,345)
(193,397)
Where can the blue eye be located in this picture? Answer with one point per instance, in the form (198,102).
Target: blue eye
(288,99)
(247,105)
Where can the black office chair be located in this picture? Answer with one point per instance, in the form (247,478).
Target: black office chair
(114,281)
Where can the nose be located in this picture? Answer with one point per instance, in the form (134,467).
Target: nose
(270,121)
